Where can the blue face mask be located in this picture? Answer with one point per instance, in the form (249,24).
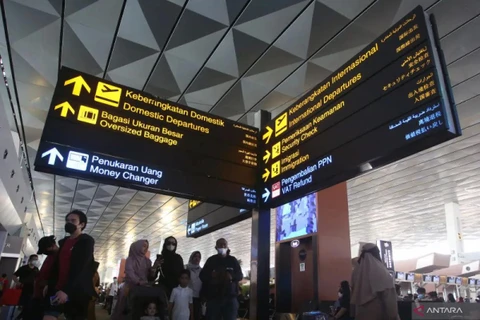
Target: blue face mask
(421,296)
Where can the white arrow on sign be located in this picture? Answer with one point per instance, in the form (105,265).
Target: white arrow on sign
(52,154)
(265,195)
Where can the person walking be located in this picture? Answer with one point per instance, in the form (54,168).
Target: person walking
(24,277)
(373,289)
(113,291)
(70,285)
(220,276)
(96,283)
(171,265)
(195,284)
(3,283)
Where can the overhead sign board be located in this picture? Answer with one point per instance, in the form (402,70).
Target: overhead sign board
(205,218)
(386,253)
(387,102)
(97,129)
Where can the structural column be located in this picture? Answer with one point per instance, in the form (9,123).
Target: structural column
(333,241)
(454,232)
(260,258)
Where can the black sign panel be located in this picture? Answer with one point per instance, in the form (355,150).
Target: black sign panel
(200,155)
(205,218)
(386,253)
(386,103)
(98,167)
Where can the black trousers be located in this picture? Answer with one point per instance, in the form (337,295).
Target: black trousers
(109,304)
(197,309)
(35,309)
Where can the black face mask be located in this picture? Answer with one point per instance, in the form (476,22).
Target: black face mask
(70,227)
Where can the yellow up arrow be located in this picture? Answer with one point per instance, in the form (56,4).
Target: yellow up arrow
(78,84)
(266,156)
(266,175)
(66,107)
(267,135)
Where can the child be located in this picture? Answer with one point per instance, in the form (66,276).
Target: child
(150,312)
(181,300)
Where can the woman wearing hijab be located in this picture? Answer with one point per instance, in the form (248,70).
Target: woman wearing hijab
(195,283)
(373,289)
(138,268)
(171,265)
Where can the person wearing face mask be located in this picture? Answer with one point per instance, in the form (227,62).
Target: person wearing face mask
(46,246)
(195,283)
(70,286)
(220,277)
(170,265)
(112,295)
(422,294)
(25,278)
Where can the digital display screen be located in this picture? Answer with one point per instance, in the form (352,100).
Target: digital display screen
(427,278)
(472,282)
(297,218)
(129,136)
(410,276)
(400,276)
(436,279)
(389,93)
(458,280)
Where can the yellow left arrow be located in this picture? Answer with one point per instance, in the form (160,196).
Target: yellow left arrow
(78,84)
(65,108)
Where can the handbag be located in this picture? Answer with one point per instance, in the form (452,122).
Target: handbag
(11,297)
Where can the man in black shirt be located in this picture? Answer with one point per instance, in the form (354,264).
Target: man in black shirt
(25,276)
(220,276)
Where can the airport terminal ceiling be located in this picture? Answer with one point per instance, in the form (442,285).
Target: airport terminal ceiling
(232,58)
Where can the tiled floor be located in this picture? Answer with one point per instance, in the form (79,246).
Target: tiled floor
(101,313)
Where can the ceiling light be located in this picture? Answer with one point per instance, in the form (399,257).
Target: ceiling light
(365,167)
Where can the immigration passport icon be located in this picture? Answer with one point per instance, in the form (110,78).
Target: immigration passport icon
(108,94)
